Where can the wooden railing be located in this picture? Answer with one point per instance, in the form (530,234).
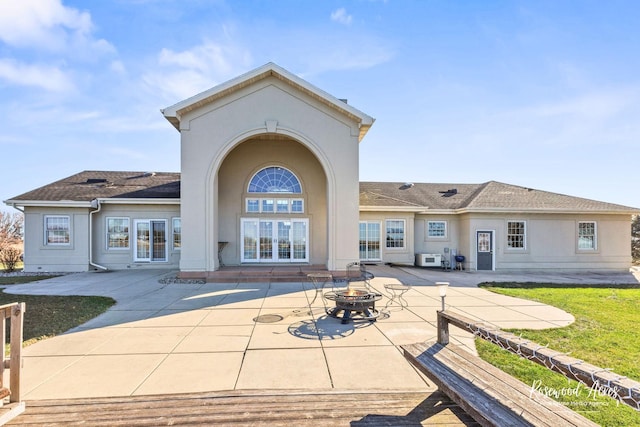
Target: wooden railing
(604,381)
(13,361)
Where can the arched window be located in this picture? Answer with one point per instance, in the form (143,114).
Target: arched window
(275,179)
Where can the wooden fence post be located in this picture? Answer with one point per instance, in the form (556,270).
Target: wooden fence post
(15,361)
(443,329)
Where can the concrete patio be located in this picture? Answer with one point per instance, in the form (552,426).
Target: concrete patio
(172,338)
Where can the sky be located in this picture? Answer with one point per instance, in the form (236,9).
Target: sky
(542,94)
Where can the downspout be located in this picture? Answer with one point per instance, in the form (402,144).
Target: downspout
(95,204)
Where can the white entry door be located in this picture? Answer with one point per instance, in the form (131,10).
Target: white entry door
(274,240)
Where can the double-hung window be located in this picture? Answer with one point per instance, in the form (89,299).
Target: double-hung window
(57,230)
(117,233)
(395,233)
(516,234)
(587,236)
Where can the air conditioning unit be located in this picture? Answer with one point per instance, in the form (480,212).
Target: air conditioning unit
(428,260)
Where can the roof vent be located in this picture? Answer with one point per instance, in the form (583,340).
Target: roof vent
(96,180)
(346,101)
(143,175)
(449,193)
(406,185)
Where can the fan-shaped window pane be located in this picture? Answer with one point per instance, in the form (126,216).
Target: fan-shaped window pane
(274,180)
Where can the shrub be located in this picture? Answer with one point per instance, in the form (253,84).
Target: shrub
(10,257)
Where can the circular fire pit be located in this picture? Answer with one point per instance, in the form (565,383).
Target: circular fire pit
(354,301)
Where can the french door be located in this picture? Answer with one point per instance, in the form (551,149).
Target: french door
(150,243)
(369,241)
(274,240)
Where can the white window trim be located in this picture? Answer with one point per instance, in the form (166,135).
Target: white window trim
(446,229)
(107,233)
(404,234)
(45,229)
(595,236)
(524,237)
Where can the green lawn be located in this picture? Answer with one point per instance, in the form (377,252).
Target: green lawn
(47,316)
(604,334)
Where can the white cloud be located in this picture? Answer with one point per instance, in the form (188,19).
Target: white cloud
(118,67)
(202,58)
(341,16)
(178,75)
(336,52)
(48,25)
(589,106)
(45,77)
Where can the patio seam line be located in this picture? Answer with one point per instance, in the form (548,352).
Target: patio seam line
(164,359)
(60,371)
(253,329)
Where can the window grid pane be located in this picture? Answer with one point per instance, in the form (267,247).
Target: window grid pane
(117,233)
(177,233)
(250,240)
(395,234)
(267,205)
(282,205)
(299,240)
(437,228)
(297,206)
(515,234)
(274,180)
(143,242)
(57,230)
(253,205)
(587,235)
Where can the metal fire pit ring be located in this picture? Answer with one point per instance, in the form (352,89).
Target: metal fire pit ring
(354,301)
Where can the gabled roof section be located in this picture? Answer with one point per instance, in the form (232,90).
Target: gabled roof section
(490,196)
(89,185)
(176,111)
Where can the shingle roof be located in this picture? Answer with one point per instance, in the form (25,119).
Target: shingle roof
(418,197)
(490,195)
(89,185)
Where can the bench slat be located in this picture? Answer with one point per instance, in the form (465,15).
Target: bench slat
(252,408)
(517,392)
(467,395)
(488,394)
(498,385)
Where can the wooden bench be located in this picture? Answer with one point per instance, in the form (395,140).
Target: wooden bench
(281,407)
(486,393)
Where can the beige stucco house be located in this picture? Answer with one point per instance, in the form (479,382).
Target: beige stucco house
(269,175)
